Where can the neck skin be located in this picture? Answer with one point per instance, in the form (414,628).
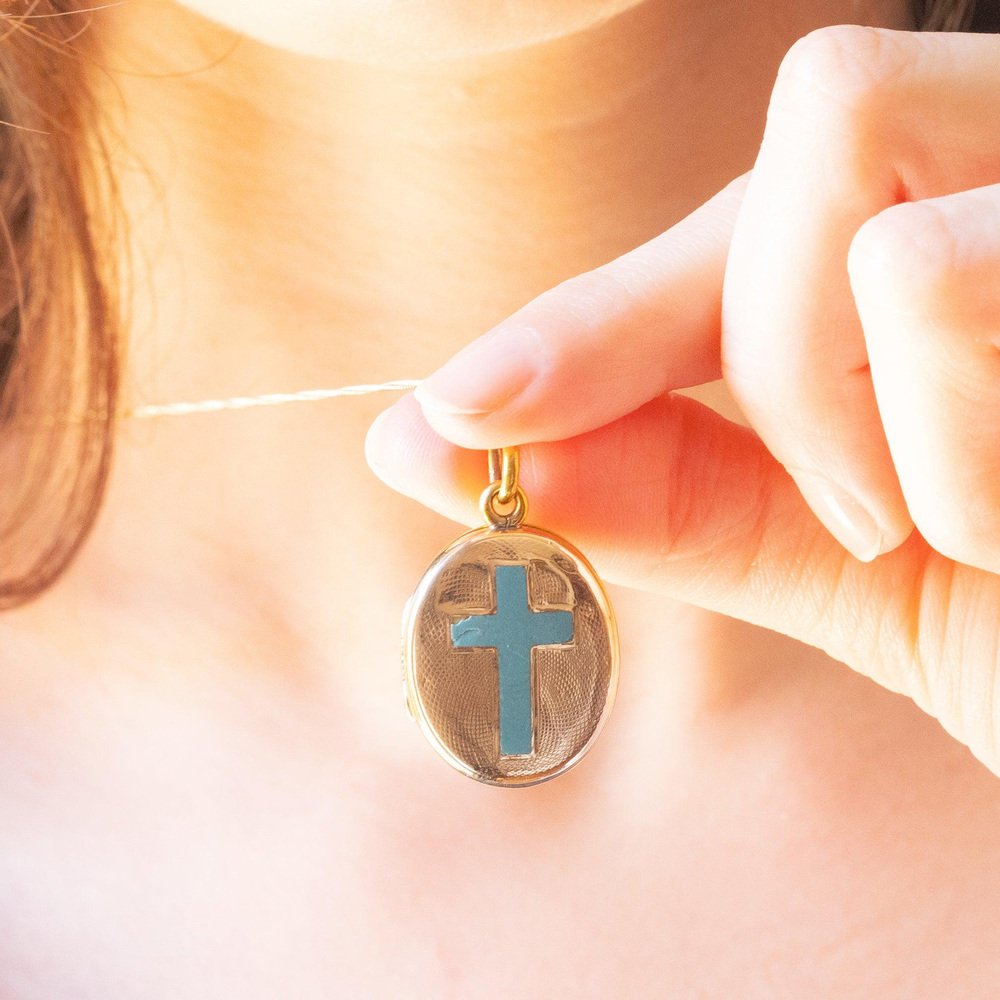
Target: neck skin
(317,223)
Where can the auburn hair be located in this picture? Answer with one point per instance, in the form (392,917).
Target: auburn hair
(61,293)
(59,320)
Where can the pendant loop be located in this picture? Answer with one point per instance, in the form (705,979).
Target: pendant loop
(489,501)
(504,467)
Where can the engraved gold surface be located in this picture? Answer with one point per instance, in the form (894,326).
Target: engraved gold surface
(454,693)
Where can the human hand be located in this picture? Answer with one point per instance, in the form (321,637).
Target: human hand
(848,291)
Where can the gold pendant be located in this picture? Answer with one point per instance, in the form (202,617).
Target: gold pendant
(510,646)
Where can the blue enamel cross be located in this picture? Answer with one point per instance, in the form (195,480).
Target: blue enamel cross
(512,631)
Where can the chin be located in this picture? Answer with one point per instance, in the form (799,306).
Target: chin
(404,33)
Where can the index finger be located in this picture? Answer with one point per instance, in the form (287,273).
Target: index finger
(596,346)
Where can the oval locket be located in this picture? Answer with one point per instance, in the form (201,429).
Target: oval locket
(510,646)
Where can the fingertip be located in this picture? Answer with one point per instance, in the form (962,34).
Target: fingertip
(851,521)
(481,379)
(431,402)
(408,455)
(470,428)
(447,419)
(384,445)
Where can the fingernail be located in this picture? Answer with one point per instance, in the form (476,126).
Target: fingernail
(846,519)
(485,375)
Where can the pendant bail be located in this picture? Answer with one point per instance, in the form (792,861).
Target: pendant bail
(504,467)
(503,502)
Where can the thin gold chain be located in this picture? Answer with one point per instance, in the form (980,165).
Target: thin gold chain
(186,407)
(267,399)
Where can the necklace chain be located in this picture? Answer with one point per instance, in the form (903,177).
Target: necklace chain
(267,399)
(230,403)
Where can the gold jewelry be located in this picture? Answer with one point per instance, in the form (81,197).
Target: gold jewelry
(510,645)
(268,399)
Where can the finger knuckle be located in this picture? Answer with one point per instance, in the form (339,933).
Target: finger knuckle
(600,289)
(834,78)
(905,256)
(839,63)
(598,295)
(906,251)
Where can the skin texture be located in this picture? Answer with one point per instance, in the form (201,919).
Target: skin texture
(407,33)
(208,783)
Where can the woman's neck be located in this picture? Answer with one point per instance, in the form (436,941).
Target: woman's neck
(333,222)
(317,223)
